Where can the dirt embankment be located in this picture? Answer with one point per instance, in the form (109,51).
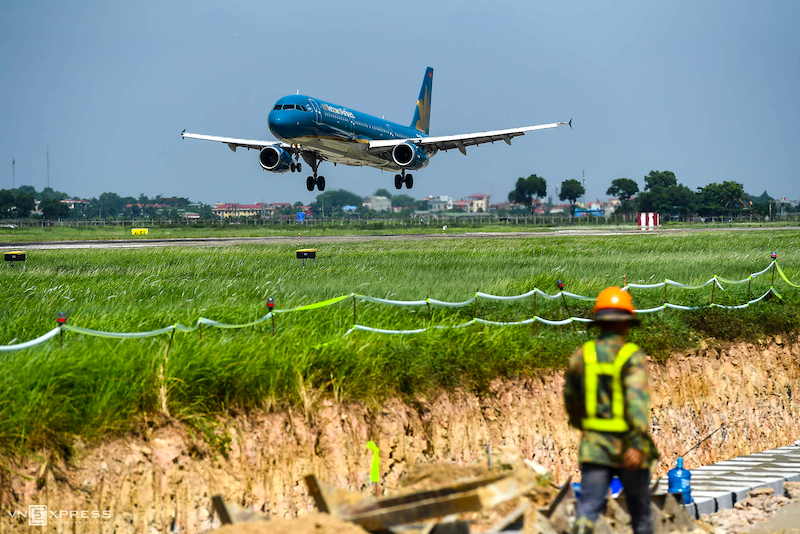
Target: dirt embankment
(168,477)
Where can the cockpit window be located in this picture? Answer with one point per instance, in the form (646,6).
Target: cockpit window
(288,106)
(301,107)
(277,106)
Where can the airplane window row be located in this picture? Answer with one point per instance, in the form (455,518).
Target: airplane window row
(299,107)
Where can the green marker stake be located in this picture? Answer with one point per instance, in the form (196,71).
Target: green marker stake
(375,470)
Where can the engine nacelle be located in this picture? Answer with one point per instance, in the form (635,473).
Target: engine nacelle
(409,156)
(274,159)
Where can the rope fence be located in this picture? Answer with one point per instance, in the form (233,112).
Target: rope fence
(714,281)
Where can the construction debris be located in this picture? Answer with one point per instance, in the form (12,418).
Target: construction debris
(760,505)
(456,500)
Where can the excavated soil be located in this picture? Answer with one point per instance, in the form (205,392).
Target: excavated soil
(166,479)
(313,523)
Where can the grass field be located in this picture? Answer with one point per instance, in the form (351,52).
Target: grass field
(94,387)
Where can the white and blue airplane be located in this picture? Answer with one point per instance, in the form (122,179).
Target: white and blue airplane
(320,131)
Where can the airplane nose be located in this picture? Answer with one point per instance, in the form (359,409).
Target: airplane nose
(274,122)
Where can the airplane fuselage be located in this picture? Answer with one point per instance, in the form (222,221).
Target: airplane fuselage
(339,134)
(317,131)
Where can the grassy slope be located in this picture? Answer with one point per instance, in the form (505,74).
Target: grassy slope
(95,386)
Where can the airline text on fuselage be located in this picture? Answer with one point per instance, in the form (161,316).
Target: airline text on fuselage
(338,111)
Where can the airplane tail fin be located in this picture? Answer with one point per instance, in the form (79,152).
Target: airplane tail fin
(422,115)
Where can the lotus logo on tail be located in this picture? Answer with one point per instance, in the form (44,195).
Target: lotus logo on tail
(424,111)
(422,114)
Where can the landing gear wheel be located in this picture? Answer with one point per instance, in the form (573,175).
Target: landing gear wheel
(292,167)
(321,183)
(310,183)
(409,181)
(299,167)
(398,181)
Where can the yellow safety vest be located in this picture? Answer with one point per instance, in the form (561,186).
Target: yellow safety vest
(593,369)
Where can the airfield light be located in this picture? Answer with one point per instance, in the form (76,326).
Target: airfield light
(560,284)
(774,255)
(271,306)
(61,319)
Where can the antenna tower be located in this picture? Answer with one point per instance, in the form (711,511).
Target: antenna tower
(13,173)
(584,190)
(48,166)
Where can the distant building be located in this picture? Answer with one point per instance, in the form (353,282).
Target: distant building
(349,209)
(506,206)
(377,203)
(227,210)
(440,203)
(462,205)
(479,203)
(72,202)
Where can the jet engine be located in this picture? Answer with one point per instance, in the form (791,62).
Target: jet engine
(275,159)
(409,156)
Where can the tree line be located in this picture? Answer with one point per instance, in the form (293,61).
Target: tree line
(20,203)
(662,194)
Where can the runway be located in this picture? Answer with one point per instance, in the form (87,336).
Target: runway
(360,238)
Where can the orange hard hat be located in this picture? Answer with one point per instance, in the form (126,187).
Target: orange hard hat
(614,304)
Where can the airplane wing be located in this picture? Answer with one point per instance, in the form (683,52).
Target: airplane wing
(233,143)
(462,141)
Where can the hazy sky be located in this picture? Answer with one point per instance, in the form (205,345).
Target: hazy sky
(708,90)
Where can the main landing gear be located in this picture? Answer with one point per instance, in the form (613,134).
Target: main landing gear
(312,181)
(403,178)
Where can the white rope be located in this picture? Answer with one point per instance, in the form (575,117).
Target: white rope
(435,302)
(511,297)
(393,302)
(33,342)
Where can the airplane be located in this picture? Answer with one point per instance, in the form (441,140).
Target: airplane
(321,131)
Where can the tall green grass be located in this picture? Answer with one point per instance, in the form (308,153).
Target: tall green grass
(94,387)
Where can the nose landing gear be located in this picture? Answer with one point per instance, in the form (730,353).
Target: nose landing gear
(403,178)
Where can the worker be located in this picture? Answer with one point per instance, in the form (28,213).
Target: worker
(607,396)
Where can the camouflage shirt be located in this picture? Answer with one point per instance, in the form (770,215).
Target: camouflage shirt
(606,448)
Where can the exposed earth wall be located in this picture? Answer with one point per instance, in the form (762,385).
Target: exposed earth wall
(166,477)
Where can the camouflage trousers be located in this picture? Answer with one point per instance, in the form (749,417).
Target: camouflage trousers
(595,479)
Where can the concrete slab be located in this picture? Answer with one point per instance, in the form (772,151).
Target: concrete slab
(704,505)
(774,483)
(721,485)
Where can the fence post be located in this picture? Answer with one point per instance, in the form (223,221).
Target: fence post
(713,287)
(162,374)
(560,285)
(774,257)
(749,283)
